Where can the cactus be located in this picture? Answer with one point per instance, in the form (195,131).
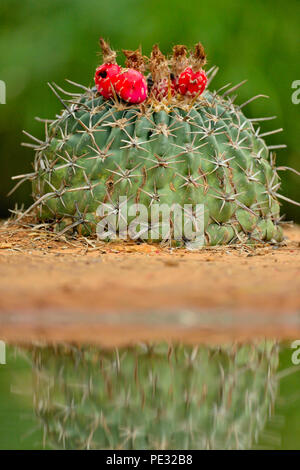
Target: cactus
(170,149)
(162,397)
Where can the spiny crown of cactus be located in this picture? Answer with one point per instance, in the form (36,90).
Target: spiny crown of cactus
(173,145)
(159,396)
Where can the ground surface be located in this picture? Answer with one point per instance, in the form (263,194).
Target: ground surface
(87,290)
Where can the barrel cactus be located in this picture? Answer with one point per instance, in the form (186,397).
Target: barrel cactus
(173,145)
(159,396)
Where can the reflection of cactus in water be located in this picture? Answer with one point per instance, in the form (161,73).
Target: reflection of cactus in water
(158,397)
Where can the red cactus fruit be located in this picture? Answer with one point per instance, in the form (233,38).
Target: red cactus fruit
(105,79)
(131,86)
(192,83)
(163,88)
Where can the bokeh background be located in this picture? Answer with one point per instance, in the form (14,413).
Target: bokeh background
(57,39)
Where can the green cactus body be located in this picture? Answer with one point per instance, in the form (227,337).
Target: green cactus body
(161,397)
(110,161)
(202,153)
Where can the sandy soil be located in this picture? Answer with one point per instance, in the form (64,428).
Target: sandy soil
(118,293)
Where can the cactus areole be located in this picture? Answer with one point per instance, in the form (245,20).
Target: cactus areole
(154,135)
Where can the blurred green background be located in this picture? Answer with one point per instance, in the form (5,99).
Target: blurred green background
(58,39)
